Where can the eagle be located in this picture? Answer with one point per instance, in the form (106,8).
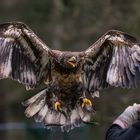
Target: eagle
(72,79)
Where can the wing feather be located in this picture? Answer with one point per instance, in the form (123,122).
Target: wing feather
(114,60)
(22,54)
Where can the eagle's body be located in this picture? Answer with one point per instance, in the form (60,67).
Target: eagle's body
(68,82)
(66,77)
(70,77)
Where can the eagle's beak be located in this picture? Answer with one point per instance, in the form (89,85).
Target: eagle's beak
(72,62)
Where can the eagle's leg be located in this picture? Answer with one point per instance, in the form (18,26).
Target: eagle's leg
(55,101)
(57,106)
(85,101)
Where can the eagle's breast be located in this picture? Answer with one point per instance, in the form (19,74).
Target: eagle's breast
(65,80)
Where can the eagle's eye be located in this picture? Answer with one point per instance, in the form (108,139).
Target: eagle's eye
(72,61)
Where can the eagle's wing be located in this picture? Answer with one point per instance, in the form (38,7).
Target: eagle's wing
(23,56)
(113,60)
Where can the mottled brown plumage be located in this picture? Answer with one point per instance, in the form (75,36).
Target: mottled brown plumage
(70,77)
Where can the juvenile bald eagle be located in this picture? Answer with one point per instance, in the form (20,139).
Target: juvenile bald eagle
(70,77)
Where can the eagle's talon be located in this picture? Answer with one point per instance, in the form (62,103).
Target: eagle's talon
(86,101)
(57,106)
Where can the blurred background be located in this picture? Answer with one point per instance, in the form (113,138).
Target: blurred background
(67,25)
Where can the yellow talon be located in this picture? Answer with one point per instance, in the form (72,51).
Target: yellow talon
(86,101)
(57,106)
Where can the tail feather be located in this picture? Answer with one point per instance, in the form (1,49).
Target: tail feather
(34,98)
(35,104)
(54,118)
(42,113)
(77,116)
(86,115)
(73,121)
(50,117)
(66,120)
(34,108)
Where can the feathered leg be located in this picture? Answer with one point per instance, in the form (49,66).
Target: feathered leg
(57,109)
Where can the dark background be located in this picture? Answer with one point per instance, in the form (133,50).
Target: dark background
(67,25)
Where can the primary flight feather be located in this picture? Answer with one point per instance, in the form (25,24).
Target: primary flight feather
(113,60)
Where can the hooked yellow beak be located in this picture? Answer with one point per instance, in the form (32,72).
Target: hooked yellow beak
(72,62)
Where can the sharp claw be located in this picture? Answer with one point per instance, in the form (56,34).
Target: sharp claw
(86,101)
(57,106)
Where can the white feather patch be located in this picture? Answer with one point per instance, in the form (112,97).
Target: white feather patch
(13,32)
(42,113)
(34,98)
(50,118)
(74,116)
(34,108)
(8,68)
(117,39)
(113,72)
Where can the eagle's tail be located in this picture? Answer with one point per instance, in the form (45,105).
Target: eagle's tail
(66,120)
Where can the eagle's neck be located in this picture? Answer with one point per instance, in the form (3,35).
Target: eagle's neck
(65,70)
(66,78)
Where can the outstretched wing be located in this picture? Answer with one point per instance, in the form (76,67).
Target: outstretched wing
(23,56)
(113,60)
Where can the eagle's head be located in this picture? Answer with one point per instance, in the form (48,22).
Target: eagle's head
(70,60)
